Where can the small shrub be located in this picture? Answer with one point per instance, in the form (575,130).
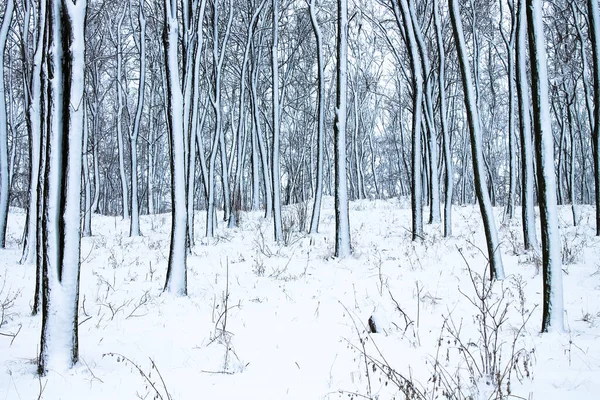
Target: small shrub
(572,250)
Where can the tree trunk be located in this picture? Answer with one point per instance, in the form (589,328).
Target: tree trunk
(120,106)
(217,140)
(63,76)
(134,226)
(237,192)
(95,202)
(259,136)
(527,188)
(342,216)
(87,200)
(594,32)
(194,131)
(150,150)
(512,147)
(552,313)
(33,127)
(485,205)
(4,181)
(434,184)
(275,175)
(449,181)
(176,281)
(417,86)
(572,191)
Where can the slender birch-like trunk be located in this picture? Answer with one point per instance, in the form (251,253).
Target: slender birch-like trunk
(483,197)
(343,246)
(552,312)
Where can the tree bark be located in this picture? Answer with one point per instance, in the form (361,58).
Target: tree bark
(343,247)
(316,213)
(275,175)
(176,281)
(417,101)
(449,181)
(552,312)
(594,32)
(483,197)
(4,179)
(63,73)
(119,120)
(33,119)
(87,193)
(527,187)
(134,226)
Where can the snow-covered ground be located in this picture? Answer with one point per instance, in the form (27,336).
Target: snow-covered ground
(296,325)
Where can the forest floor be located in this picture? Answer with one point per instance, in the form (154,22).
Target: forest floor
(268,321)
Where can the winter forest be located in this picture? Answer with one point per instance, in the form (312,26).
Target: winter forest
(299,199)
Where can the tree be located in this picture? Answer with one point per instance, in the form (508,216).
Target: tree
(119,117)
(196,124)
(314,224)
(552,313)
(434,209)
(32,249)
(176,281)
(4,181)
(527,199)
(134,225)
(512,150)
(594,32)
(485,205)
(278,227)
(342,215)
(259,141)
(237,191)
(217,143)
(33,119)
(417,102)
(63,67)
(449,178)
(87,195)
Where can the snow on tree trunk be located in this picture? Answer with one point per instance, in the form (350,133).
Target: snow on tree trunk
(134,225)
(512,146)
(527,187)
(33,127)
(275,175)
(594,18)
(316,213)
(434,210)
(342,217)
(259,136)
(151,145)
(572,191)
(218,54)
(359,194)
(176,281)
(4,181)
(120,106)
(225,176)
(255,167)
(483,197)
(449,181)
(96,201)
(64,68)
(237,191)
(193,129)
(87,200)
(417,86)
(552,313)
